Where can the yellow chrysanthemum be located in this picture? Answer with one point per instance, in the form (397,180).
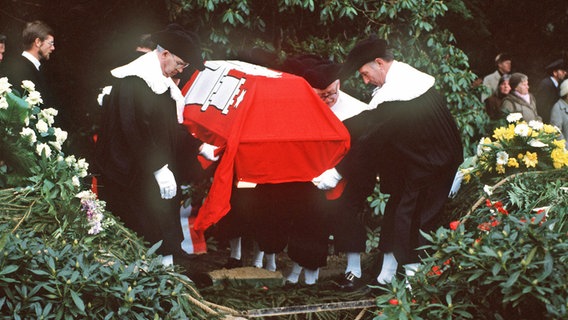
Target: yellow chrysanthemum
(530,159)
(466,178)
(559,158)
(500,169)
(503,133)
(549,129)
(520,156)
(559,143)
(513,163)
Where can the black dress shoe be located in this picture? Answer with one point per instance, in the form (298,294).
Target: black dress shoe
(349,282)
(233,263)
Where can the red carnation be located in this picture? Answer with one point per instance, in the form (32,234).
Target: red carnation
(454,225)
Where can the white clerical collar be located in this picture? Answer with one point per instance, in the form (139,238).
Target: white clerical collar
(147,67)
(32,59)
(554,81)
(402,83)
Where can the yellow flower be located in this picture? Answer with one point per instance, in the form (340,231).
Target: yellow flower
(503,133)
(466,178)
(530,159)
(513,163)
(559,143)
(550,129)
(520,156)
(559,158)
(500,168)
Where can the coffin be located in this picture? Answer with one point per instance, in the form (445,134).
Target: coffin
(271,126)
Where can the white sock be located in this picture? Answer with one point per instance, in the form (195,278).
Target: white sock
(257,256)
(353,264)
(311,276)
(294,273)
(168,260)
(388,271)
(235,245)
(270,261)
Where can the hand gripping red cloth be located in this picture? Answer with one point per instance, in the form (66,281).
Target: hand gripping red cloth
(272,126)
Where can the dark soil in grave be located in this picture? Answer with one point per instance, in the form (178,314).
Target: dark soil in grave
(267,295)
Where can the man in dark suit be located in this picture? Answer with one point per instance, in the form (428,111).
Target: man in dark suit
(548,91)
(38,43)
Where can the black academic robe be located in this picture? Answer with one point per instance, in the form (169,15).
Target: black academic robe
(415,148)
(139,135)
(20,68)
(546,96)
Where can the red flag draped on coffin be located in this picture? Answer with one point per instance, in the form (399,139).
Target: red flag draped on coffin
(272,126)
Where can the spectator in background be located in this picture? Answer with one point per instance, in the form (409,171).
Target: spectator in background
(559,114)
(2,46)
(548,91)
(520,99)
(491,81)
(39,43)
(493,103)
(2,50)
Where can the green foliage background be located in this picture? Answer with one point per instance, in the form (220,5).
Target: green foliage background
(331,28)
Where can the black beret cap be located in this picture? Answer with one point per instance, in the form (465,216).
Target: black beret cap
(364,51)
(556,65)
(298,65)
(184,44)
(321,76)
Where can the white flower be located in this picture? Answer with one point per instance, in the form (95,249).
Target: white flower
(43,147)
(537,143)
(48,116)
(50,111)
(4,86)
(75,181)
(28,85)
(488,190)
(86,194)
(60,135)
(56,145)
(3,103)
(29,134)
(42,126)
(502,157)
(482,147)
(34,98)
(514,117)
(70,160)
(536,125)
(522,130)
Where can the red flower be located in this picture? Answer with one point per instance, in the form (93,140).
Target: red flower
(498,204)
(394,302)
(502,210)
(485,226)
(436,271)
(447,262)
(454,225)
(488,202)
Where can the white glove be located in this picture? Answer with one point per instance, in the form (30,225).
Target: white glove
(208,151)
(166,181)
(327,180)
(456,184)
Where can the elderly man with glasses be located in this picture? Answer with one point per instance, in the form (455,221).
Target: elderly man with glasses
(138,149)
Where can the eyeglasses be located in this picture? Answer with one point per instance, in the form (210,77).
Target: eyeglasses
(180,63)
(324,95)
(50,43)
